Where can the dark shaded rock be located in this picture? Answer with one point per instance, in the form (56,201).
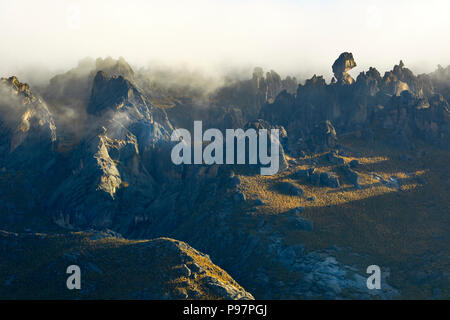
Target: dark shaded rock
(289,188)
(282,139)
(239,197)
(394,182)
(300,222)
(235,181)
(354,164)
(258,202)
(250,95)
(28,157)
(314,178)
(328,179)
(333,157)
(296,210)
(110,92)
(323,137)
(351,175)
(302,173)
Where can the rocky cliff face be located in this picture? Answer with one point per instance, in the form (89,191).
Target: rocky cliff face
(68,95)
(251,95)
(235,103)
(26,119)
(120,161)
(399,103)
(28,141)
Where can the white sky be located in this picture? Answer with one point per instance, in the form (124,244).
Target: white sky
(290,36)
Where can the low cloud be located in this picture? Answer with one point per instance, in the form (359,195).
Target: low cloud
(291,37)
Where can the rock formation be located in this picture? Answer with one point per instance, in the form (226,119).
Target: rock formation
(341,66)
(125,129)
(404,104)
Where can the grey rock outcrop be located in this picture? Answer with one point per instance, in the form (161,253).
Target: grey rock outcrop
(116,159)
(399,103)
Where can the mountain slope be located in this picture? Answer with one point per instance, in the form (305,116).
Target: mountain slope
(34,267)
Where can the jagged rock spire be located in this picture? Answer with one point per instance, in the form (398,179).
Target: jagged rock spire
(342,65)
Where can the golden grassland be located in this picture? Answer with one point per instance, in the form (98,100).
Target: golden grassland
(389,226)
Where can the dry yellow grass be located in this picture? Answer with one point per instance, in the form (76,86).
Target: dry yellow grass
(391,226)
(125,264)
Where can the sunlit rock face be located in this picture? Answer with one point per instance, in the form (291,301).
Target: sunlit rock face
(341,66)
(25,122)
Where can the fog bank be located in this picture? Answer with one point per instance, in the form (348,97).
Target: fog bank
(292,37)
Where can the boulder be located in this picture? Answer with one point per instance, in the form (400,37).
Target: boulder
(328,179)
(333,157)
(354,164)
(302,173)
(290,188)
(352,176)
(314,178)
